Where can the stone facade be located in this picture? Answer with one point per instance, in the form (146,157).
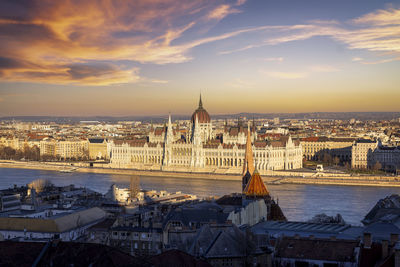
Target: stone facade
(315,147)
(201,152)
(361,153)
(388,157)
(65,149)
(98,149)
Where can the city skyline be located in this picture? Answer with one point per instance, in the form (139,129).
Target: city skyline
(151,58)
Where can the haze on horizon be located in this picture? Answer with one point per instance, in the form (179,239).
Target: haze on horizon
(121,58)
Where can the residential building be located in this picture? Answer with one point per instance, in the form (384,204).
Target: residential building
(314,148)
(361,153)
(387,156)
(72,149)
(98,149)
(66,225)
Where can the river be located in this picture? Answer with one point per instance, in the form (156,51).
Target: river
(298,202)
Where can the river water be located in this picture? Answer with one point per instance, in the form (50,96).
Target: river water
(298,202)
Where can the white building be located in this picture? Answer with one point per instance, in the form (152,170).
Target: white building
(361,153)
(201,152)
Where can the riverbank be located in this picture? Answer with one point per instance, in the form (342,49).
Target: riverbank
(284,178)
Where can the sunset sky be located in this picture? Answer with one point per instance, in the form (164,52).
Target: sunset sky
(149,57)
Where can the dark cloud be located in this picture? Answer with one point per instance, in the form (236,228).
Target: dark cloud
(17,10)
(11,63)
(59,39)
(83,71)
(25,32)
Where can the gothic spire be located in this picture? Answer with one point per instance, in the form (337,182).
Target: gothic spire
(169,134)
(248,158)
(200,102)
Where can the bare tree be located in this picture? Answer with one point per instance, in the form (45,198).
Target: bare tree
(377,166)
(40,184)
(134,186)
(336,160)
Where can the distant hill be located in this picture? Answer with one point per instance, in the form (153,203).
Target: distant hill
(161,118)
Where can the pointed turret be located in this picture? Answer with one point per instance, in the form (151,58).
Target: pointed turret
(196,133)
(256,186)
(200,102)
(248,158)
(170,134)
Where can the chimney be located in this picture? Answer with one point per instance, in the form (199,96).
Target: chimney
(393,239)
(296,236)
(311,237)
(367,240)
(333,238)
(385,249)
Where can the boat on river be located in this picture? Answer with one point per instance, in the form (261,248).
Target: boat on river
(65,170)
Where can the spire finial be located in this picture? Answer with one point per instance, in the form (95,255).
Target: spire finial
(200,102)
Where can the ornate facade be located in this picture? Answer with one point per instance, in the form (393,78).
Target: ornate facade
(201,152)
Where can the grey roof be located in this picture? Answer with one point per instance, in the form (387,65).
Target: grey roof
(365,141)
(218,241)
(322,230)
(385,210)
(202,241)
(224,246)
(96,140)
(382,230)
(302,226)
(137,229)
(193,215)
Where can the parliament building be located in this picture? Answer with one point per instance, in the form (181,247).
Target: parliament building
(200,150)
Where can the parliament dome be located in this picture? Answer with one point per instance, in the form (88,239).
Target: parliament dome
(201,114)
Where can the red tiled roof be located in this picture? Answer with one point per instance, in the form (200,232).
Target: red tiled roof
(256,186)
(159,131)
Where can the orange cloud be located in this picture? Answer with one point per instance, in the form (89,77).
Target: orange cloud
(380,17)
(222,11)
(49,38)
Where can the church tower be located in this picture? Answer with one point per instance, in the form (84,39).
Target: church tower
(252,183)
(248,166)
